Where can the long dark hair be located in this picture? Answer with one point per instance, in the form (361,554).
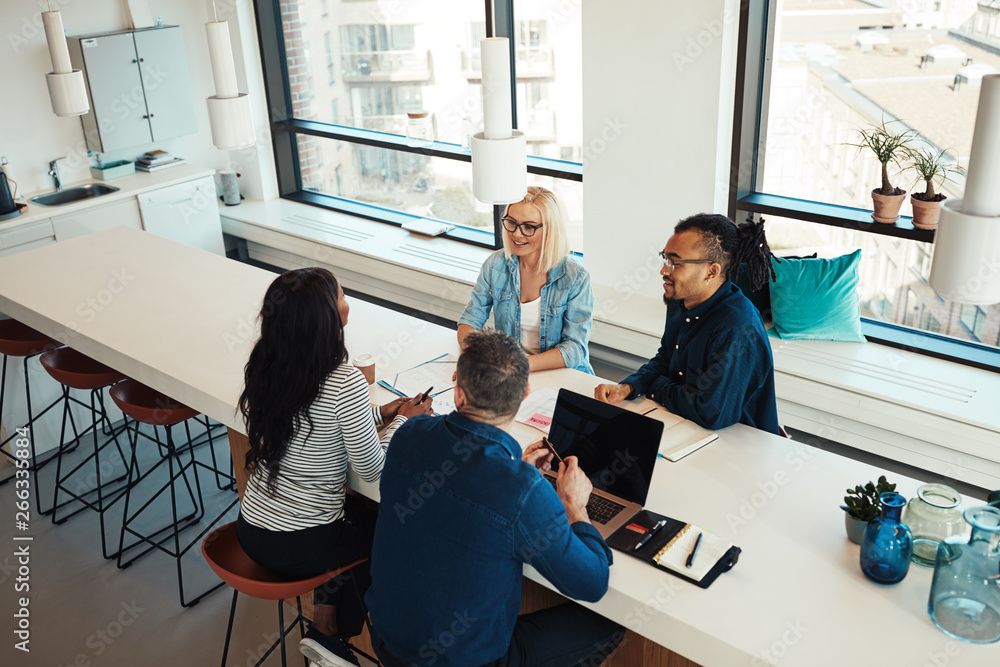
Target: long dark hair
(731,245)
(301,342)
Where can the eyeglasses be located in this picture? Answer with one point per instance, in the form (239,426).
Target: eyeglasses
(669,263)
(527,229)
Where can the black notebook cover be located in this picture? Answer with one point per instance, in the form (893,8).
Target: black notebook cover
(629,535)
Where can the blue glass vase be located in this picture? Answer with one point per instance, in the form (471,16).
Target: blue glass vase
(965,592)
(887,545)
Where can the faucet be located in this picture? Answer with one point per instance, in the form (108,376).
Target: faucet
(54,172)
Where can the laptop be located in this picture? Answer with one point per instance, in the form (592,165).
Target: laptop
(616,449)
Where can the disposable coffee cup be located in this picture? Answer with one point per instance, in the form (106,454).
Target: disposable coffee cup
(366,363)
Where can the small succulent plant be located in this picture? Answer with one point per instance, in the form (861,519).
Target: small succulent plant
(862,502)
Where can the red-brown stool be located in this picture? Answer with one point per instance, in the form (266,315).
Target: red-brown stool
(224,554)
(19,340)
(145,405)
(74,370)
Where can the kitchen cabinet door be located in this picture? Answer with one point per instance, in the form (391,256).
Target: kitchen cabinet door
(165,79)
(117,117)
(25,237)
(96,218)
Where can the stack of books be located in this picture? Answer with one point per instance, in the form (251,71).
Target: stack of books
(156,160)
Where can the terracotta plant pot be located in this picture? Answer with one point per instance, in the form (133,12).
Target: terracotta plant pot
(925,213)
(855,528)
(887,206)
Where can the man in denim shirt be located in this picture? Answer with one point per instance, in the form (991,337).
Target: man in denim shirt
(461,512)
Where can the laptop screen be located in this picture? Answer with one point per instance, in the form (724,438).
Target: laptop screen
(616,448)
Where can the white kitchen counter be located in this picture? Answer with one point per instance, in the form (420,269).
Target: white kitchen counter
(182,321)
(129,186)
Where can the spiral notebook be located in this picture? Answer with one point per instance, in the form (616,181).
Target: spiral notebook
(670,548)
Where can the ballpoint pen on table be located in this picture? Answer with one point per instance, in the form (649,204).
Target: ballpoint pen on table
(649,534)
(694,550)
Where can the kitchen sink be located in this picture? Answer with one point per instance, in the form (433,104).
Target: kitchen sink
(78,193)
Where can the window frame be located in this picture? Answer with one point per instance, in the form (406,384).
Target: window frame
(757,24)
(285,128)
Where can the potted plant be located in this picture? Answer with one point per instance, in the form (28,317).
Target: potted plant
(889,147)
(861,505)
(928,165)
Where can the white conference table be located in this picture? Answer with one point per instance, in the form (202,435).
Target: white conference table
(183,320)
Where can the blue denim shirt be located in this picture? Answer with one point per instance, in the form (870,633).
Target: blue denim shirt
(567,306)
(714,365)
(460,514)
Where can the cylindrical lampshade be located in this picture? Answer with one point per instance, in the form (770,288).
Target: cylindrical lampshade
(231,119)
(965,267)
(55,35)
(220,51)
(68,93)
(499,168)
(982,186)
(497,119)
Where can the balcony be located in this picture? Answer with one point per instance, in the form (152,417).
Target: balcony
(363,66)
(532,62)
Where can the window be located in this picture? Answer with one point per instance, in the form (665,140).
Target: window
(973,318)
(340,122)
(808,83)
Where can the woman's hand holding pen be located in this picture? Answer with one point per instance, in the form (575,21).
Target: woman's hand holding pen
(418,405)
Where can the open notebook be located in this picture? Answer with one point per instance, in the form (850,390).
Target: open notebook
(680,436)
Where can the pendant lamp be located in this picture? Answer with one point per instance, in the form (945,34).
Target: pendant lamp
(965,266)
(499,153)
(66,87)
(229,110)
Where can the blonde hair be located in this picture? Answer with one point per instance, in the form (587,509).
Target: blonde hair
(555,246)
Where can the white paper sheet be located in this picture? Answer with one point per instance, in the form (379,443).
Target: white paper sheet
(536,410)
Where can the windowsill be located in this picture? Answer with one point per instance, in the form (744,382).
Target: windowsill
(431,274)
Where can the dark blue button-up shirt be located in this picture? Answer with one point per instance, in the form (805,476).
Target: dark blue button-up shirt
(460,513)
(714,365)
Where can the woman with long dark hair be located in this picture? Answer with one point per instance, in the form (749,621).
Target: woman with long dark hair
(308,416)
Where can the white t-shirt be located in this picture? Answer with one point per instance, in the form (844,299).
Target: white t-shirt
(531,316)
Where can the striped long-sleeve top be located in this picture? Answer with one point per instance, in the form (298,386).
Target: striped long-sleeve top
(309,489)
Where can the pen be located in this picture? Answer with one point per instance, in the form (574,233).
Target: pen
(694,550)
(426,394)
(649,534)
(545,441)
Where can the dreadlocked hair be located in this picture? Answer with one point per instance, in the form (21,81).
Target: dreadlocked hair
(730,245)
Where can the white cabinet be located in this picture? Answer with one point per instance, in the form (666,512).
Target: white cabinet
(96,218)
(25,237)
(138,85)
(187,213)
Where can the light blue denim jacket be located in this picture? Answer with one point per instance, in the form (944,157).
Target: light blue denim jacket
(567,306)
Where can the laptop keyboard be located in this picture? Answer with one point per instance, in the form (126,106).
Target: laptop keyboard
(599,509)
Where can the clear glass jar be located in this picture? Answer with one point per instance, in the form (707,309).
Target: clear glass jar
(934,515)
(419,129)
(965,598)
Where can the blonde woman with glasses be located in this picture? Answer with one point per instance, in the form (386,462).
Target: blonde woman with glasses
(536,291)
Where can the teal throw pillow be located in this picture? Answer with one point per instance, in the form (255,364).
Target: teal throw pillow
(817,299)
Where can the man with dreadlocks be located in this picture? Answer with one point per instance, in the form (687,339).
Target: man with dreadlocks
(714,365)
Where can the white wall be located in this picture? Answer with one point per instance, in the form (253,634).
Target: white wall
(658,95)
(31,135)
